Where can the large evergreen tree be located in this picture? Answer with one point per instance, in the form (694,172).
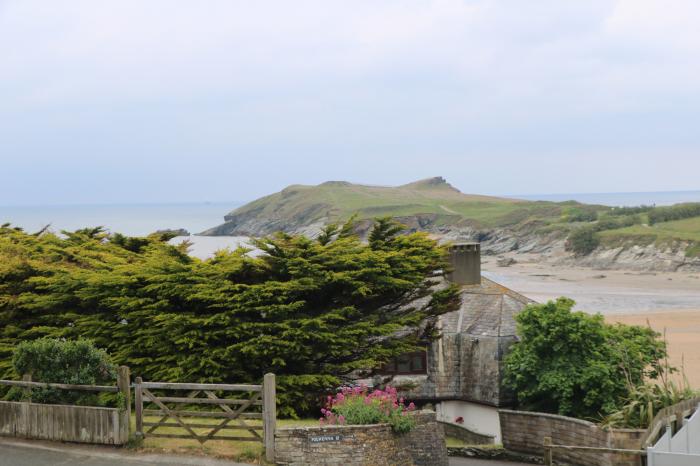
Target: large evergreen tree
(312,311)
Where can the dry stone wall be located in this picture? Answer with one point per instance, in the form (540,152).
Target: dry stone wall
(370,445)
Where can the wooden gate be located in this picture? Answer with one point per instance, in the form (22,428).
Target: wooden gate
(242,414)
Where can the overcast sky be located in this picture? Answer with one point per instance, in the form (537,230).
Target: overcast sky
(151,101)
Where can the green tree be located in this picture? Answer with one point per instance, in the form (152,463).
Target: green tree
(53,360)
(311,311)
(575,364)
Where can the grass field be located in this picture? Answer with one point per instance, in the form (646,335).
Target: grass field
(244,452)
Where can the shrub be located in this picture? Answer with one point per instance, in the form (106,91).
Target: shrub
(645,401)
(357,405)
(582,241)
(52,360)
(674,212)
(575,364)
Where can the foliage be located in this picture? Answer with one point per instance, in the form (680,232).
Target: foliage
(76,362)
(644,401)
(574,364)
(693,250)
(310,311)
(581,213)
(622,211)
(674,212)
(582,241)
(358,405)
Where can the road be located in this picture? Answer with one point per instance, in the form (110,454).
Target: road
(22,453)
(475,462)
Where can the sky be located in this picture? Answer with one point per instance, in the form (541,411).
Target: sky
(123,101)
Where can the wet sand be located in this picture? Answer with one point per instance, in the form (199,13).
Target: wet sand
(667,300)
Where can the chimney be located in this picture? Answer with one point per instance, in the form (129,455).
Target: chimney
(465,259)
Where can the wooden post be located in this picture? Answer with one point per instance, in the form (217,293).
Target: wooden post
(269,416)
(27,391)
(548,451)
(138,406)
(124,385)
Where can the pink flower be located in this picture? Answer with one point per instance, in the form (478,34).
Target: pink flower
(341,419)
(411,406)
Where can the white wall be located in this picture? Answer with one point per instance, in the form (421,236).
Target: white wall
(478,418)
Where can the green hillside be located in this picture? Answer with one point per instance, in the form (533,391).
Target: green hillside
(434,205)
(300,205)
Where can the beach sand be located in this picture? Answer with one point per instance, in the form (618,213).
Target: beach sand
(667,300)
(682,329)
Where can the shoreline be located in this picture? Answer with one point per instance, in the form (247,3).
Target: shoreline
(669,302)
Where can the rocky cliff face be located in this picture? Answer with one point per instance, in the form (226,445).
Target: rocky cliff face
(498,241)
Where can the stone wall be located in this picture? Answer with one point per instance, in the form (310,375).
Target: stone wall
(370,445)
(525,432)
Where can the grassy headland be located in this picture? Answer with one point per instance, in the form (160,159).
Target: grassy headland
(435,206)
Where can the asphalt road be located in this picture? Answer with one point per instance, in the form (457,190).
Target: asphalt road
(21,453)
(474,462)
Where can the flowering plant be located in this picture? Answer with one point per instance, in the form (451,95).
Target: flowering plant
(359,405)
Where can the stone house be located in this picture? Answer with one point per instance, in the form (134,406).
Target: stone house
(461,373)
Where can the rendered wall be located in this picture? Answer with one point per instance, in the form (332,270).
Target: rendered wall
(477,418)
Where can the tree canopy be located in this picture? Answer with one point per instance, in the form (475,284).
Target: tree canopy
(311,311)
(575,364)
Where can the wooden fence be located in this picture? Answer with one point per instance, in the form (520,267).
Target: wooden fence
(258,402)
(67,423)
(549,449)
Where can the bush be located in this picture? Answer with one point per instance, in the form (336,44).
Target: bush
(675,212)
(75,362)
(356,405)
(575,364)
(645,401)
(582,241)
(579,214)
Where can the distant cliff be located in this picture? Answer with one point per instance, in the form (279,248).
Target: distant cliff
(504,226)
(427,203)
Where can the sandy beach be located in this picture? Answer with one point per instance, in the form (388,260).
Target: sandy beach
(668,301)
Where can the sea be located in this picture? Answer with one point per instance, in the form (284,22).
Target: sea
(195,217)
(133,220)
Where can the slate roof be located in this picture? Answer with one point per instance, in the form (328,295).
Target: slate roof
(487,309)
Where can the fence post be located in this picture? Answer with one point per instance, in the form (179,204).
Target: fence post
(124,385)
(27,391)
(548,451)
(138,405)
(269,415)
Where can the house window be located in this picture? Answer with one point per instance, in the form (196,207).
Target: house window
(410,363)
